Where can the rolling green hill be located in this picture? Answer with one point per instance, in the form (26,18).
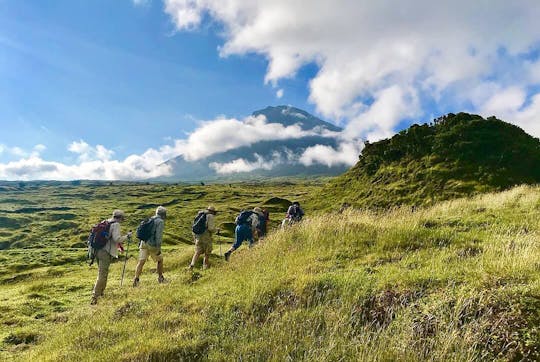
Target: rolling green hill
(456,155)
(457,281)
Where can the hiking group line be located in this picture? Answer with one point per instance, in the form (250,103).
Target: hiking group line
(106,240)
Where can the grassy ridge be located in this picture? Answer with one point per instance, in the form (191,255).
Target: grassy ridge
(455,156)
(457,281)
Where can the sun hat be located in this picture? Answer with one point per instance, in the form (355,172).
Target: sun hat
(117,214)
(161,211)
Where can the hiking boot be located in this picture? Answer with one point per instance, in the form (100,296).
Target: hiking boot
(93,301)
(161,279)
(135,282)
(227,255)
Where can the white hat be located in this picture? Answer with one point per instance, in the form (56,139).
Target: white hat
(117,214)
(161,211)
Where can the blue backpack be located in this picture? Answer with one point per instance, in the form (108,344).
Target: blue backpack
(243,217)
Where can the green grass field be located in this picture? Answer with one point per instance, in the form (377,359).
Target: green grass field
(456,281)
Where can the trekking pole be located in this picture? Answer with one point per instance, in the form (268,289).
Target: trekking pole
(125,260)
(219,240)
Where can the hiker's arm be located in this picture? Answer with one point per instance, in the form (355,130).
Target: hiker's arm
(289,212)
(116,236)
(211,224)
(159,234)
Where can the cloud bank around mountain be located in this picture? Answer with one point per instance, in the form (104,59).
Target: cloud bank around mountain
(381,62)
(211,137)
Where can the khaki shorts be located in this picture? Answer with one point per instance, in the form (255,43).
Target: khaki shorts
(146,250)
(203,243)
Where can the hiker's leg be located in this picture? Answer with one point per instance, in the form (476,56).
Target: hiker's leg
(143,256)
(249,238)
(139,268)
(104,261)
(195,257)
(206,260)
(160,267)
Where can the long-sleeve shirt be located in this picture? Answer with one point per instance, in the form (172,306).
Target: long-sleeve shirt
(156,237)
(210,222)
(115,237)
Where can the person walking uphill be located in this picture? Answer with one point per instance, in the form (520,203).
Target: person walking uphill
(246,225)
(204,227)
(107,253)
(152,246)
(294,214)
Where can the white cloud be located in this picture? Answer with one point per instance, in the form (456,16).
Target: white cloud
(226,134)
(222,134)
(346,154)
(243,165)
(89,153)
(431,51)
(279,93)
(513,104)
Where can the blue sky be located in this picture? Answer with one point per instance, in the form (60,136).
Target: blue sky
(109,89)
(75,70)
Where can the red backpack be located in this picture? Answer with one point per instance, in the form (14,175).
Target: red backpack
(99,235)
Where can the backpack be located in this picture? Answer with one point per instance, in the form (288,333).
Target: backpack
(297,213)
(243,217)
(99,235)
(261,224)
(199,223)
(266,214)
(144,230)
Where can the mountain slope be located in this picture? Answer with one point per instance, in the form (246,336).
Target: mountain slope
(265,158)
(456,155)
(455,282)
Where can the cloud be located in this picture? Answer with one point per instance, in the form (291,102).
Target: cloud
(229,133)
(89,153)
(211,137)
(513,103)
(346,154)
(279,93)
(243,165)
(408,56)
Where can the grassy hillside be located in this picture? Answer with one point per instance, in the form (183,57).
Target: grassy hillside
(456,155)
(457,281)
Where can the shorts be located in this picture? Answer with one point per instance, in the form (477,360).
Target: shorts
(146,250)
(203,243)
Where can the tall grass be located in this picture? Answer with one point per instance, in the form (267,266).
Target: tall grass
(457,281)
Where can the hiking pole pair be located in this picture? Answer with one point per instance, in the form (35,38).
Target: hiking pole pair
(125,259)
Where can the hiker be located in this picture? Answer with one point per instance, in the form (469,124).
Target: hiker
(246,224)
(204,227)
(152,246)
(260,227)
(109,252)
(294,214)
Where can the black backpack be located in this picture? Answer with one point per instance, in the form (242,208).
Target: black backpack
(297,213)
(243,217)
(144,230)
(199,223)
